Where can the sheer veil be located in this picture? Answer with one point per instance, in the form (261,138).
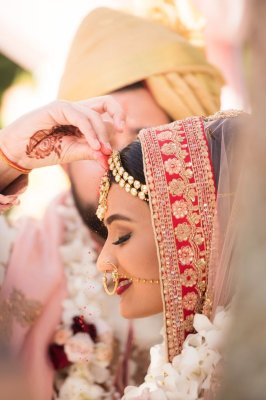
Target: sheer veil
(223,137)
(225,147)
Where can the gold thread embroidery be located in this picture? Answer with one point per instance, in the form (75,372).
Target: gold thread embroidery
(188,323)
(169,148)
(25,311)
(183,231)
(190,301)
(166,135)
(185,255)
(223,114)
(17,308)
(180,209)
(187,139)
(189,277)
(176,187)
(173,166)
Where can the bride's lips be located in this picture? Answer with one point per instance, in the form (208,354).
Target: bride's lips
(123,285)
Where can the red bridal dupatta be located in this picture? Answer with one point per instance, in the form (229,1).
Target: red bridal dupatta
(181,186)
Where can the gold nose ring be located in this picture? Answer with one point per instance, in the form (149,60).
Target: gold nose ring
(115,279)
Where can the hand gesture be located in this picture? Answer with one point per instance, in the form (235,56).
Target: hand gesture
(62,132)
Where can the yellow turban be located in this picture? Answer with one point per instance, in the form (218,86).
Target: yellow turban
(113,49)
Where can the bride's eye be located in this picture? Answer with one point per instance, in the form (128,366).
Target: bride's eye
(122,239)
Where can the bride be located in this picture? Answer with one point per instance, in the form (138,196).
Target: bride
(167,204)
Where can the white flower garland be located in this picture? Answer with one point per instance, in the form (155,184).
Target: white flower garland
(89,376)
(191,371)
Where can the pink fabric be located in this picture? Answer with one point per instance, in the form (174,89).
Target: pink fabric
(36,270)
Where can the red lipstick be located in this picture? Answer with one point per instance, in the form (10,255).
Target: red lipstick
(123,285)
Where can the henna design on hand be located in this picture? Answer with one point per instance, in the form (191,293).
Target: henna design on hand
(43,142)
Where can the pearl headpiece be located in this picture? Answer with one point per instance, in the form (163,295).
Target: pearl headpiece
(124,179)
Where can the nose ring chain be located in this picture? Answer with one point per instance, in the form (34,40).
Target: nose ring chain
(115,276)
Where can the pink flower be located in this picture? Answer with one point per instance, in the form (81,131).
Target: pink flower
(61,336)
(79,348)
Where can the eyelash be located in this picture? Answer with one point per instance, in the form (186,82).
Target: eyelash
(122,239)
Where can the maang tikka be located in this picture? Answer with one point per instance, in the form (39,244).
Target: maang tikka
(124,179)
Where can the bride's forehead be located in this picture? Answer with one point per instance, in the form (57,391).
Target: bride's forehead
(119,200)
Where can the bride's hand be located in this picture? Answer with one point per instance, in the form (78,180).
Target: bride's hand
(62,132)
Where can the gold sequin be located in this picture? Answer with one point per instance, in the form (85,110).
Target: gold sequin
(169,148)
(176,187)
(188,323)
(189,277)
(183,231)
(180,208)
(190,301)
(166,135)
(173,166)
(185,255)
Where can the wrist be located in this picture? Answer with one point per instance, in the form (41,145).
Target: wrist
(7,175)
(10,159)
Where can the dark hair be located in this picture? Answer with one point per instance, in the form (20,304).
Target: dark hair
(133,86)
(88,215)
(132,162)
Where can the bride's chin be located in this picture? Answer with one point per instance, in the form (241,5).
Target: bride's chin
(130,311)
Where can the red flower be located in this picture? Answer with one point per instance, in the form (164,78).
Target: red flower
(58,356)
(79,325)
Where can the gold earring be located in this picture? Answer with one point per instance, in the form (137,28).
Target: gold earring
(115,279)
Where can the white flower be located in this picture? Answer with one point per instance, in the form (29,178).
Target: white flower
(92,287)
(103,353)
(202,324)
(104,331)
(78,389)
(190,371)
(157,359)
(70,310)
(62,335)
(79,348)
(100,373)
(82,370)
(91,312)
(80,299)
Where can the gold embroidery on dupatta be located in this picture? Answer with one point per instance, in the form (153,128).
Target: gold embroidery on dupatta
(223,114)
(182,206)
(190,301)
(17,308)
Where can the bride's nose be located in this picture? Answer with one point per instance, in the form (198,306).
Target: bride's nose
(105,260)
